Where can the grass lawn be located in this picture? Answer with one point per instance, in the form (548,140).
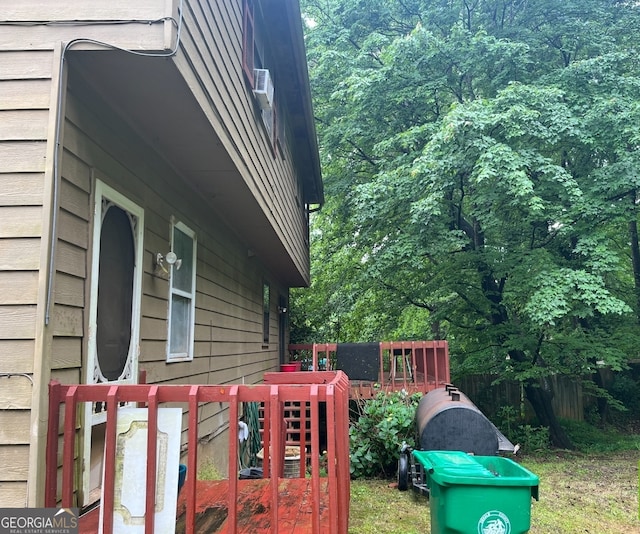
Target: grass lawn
(579,493)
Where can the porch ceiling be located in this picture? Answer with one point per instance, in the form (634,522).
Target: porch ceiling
(152,96)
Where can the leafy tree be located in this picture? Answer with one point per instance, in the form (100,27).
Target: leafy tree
(481,169)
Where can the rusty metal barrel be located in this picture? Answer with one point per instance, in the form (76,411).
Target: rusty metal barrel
(447,420)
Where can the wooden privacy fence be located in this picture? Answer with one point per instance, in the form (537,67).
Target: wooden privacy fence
(327,496)
(413,366)
(568,399)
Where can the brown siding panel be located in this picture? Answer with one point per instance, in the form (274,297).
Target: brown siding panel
(23,125)
(17,355)
(116,10)
(13,494)
(69,290)
(20,221)
(19,254)
(135,36)
(21,65)
(24,94)
(22,156)
(67,321)
(18,287)
(14,427)
(15,462)
(15,393)
(21,189)
(66,352)
(17,322)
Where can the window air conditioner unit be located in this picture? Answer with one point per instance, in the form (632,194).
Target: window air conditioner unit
(263,88)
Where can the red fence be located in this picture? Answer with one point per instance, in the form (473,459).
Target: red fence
(415,366)
(329,498)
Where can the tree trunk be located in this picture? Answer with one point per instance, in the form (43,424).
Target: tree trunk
(635,261)
(540,395)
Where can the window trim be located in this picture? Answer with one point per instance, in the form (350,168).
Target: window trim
(182,356)
(248,41)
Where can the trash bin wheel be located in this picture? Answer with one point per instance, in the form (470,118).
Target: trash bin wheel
(403,472)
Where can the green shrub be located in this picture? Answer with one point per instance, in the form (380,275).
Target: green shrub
(591,439)
(530,438)
(375,438)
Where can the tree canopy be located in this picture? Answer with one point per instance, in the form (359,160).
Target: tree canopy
(481,170)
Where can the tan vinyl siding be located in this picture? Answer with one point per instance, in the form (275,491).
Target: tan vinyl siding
(18,287)
(228,346)
(228,332)
(210,61)
(146,27)
(25,88)
(19,355)
(81,10)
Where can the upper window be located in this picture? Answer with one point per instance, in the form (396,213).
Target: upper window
(182,300)
(256,67)
(248,41)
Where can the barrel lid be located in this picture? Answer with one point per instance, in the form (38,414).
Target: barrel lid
(456,467)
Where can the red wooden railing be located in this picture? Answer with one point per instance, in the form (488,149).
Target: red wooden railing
(278,391)
(413,366)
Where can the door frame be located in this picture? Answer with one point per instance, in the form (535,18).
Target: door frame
(104,196)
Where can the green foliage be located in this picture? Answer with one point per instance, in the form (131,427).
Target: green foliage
(591,439)
(481,177)
(531,439)
(376,437)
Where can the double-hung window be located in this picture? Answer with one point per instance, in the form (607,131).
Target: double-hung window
(182,290)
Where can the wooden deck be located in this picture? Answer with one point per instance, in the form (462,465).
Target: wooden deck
(410,366)
(254,508)
(317,502)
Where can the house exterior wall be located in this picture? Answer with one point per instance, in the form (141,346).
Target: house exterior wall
(229,344)
(42,338)
(210,61)
(25,101)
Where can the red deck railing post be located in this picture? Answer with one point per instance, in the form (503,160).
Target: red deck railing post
(331,457)
(68,453)
(232,517)
(108,490)
(152,439)
(51,458)
(315,459)
(192,460)
(276,452)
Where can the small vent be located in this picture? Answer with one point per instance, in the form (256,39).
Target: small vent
(263,88)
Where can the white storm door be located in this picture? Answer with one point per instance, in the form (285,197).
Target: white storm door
(114,315)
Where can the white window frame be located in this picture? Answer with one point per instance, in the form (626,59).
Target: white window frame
(182,356)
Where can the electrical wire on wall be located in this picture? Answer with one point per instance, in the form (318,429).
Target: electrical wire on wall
(59,117)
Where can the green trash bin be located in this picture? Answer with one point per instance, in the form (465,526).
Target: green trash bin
(477,494)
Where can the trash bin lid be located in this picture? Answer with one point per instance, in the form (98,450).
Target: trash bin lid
(457,467)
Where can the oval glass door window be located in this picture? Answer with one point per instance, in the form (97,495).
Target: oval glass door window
(115,295)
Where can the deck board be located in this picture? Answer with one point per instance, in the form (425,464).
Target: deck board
(254,507)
